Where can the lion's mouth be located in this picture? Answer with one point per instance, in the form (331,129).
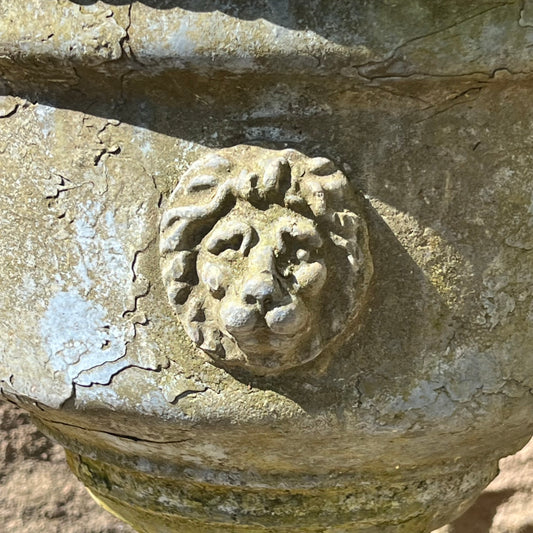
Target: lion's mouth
(265,341)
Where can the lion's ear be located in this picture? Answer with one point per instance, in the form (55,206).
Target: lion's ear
(349,232)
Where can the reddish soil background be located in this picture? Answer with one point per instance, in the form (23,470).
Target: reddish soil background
(38,494)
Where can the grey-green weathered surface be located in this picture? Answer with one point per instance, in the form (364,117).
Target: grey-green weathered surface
(357,40)
(424,107)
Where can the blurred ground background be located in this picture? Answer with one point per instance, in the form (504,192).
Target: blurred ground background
(38,494)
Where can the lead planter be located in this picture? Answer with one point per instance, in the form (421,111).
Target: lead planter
(269,269)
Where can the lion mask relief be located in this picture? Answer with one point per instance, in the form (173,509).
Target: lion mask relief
(264,256)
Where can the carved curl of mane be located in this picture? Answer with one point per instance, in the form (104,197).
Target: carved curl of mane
(312,187)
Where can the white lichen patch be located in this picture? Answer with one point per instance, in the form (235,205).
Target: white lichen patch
(45,116)
(77,335)
(101,251)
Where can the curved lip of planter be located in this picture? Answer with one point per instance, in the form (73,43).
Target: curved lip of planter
(367,43)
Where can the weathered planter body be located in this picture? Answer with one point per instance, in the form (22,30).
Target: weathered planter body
(414,279)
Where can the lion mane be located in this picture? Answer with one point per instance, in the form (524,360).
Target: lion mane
(259,179)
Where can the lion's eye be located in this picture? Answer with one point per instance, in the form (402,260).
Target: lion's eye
(218,246)
(302,254)
(292,261)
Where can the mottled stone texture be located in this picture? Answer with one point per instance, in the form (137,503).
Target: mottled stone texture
(424,106)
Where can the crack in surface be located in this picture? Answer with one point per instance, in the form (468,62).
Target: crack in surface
(118,435)
(393,55)
(160,367)
(189,392)
(145,287)
(124,41)
(105,150)
(10,112)
(63,187)
(136,297)
(128,52)
(400,94)
(135,276)
(136,255)
(459,99)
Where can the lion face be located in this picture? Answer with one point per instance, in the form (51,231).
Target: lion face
(264,256)
(261,272)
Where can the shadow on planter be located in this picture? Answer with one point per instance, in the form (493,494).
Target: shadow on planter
(336,20)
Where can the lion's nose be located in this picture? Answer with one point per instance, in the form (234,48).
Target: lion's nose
(259,290)
(262,287)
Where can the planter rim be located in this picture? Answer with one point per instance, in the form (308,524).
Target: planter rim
(366,43)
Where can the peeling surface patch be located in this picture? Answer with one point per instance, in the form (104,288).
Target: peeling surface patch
(77,336)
